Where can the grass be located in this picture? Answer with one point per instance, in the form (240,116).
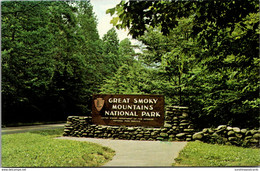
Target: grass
(40,149)
(202,154)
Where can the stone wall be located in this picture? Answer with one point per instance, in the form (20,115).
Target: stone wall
(177,127)
(224,134)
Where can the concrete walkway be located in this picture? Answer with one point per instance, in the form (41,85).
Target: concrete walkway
(130,153)
(20,129)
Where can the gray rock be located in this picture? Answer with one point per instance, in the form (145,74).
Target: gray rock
(205,130)
(197,136)
(188,130)
(167,125)
(68,124)
(215,134)
(163,134)
(236,129)
(243,131)
(224,139)
(248,137)
(139,129)
(184,124)
(221,127)
(232,138)
(239,135)
(130,128)
(257,135)
(254,141)
(159,138)
(149,129)
(174,127)
(66,130)
(253,131)
(139,135)
(164,130)
(114,127)
(153,133)
(228,143)
(171,136)
(231,133)
(180,135)
(185,114)
(210,131)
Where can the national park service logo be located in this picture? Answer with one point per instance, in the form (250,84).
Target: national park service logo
(99,103)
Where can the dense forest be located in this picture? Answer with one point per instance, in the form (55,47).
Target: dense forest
(200,54)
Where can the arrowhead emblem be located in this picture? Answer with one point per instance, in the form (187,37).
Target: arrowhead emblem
(99,103)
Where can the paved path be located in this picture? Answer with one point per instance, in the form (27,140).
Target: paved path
(131,153)
(20,129)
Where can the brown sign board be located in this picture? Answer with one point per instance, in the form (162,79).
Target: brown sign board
(128,110)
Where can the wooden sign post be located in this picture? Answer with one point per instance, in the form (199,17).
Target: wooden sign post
(128,110)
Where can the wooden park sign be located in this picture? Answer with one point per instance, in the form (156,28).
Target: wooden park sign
(128,110)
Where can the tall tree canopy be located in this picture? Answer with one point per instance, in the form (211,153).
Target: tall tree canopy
(209,56)
(51,56)
(53,59)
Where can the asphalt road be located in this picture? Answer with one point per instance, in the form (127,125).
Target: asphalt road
(21,129)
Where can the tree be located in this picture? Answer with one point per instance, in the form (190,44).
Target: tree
(110,53)
(27,64)
(129,79)
(48,60)
(221,84)
(126,52)
(154,47)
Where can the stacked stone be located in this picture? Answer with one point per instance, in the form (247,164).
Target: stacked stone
(113,132)
(224,134)
(177,128)
(173,130)
(76,125)
(178,123)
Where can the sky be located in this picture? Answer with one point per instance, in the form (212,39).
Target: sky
(99,8)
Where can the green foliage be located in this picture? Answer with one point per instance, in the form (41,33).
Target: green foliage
(135,15)
(110,53)
(39,149)
(209,58)
(128,80)
(51,60)
(126,52)
(207,155)
(155,46)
